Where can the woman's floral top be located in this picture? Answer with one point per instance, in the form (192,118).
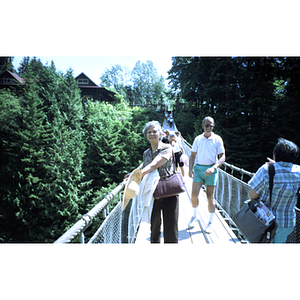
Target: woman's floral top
(164,150)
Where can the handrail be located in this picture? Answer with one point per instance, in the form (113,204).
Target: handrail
(86,220)
(80,226)
(233,168)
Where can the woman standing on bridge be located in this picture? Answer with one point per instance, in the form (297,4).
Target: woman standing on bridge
(160,156)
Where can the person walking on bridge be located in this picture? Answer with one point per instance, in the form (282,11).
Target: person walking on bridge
(208,153)
(178,151)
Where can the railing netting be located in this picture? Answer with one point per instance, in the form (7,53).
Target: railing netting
(122,226)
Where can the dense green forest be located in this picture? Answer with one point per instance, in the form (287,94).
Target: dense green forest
(60,157)
(254,101)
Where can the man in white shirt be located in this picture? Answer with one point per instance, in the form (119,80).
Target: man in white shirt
(207,155)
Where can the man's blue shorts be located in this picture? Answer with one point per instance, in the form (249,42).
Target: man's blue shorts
(199,176)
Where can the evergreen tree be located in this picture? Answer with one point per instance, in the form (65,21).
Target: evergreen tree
(239,94)
(114,141)
(10,161)
(249,130)
(6,64)
(108,132)
(287,114)
(50,187)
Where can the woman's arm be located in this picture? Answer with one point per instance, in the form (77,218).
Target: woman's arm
(127,175)
(157,162)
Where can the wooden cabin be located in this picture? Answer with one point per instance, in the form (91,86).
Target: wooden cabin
(90,90)
(10,80)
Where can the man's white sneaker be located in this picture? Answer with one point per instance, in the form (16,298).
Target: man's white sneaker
(191,222)
(208,228)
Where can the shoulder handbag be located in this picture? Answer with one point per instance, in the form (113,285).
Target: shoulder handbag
(169,186)
(254,230)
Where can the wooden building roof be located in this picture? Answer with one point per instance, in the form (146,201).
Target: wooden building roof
(89,89)
(7,78)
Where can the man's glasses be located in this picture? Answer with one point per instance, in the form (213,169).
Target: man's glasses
(208,125)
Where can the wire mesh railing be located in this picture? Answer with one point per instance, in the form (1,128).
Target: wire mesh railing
(119,227)
(79,227)
(232,192)
(294,237)
(110,231)
(122,226)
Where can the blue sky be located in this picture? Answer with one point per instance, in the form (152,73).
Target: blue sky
(95,66)
(91,36)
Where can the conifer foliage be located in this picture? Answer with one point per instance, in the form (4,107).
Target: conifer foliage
(44,198)
(114,141)
(254,101)
(58,157)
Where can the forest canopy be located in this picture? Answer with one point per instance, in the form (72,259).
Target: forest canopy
(141,85)
(59,157)
(254,101)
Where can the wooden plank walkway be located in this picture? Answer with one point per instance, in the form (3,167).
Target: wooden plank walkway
(221,234)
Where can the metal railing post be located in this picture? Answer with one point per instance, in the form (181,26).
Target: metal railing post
(82,238)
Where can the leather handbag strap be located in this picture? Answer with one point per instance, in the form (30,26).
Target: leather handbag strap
(174,163)
(271,170)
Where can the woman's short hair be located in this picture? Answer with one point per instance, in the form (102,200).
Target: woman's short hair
(154,124)
(286,151)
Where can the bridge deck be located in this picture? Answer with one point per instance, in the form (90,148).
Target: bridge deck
(221,234)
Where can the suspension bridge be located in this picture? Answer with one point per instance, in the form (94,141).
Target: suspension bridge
(128,227)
